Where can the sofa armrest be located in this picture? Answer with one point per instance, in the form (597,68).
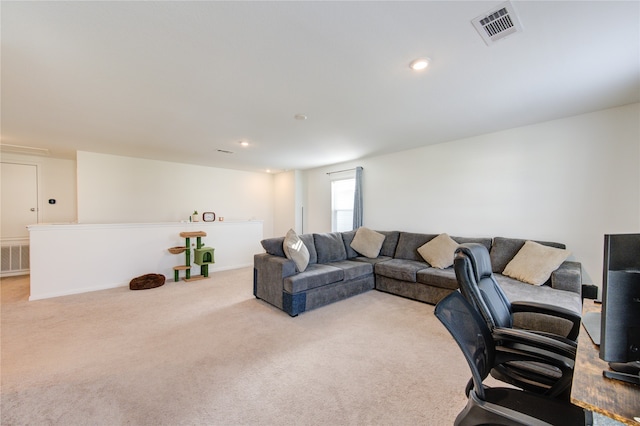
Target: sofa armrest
(568,277)
(269,274)
(285,267)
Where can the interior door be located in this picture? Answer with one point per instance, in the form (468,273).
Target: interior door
(19,198)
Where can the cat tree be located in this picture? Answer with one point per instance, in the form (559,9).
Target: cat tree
(203,256)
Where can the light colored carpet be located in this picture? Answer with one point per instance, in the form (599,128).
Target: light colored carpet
(208,353)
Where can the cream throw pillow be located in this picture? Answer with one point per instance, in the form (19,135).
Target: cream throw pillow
(295,250)
(535,262)
(367,242)
(439,252)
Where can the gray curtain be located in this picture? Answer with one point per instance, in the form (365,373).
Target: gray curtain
(357,200)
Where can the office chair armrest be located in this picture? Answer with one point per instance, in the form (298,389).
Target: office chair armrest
(523,339)
(554,336)
(555,311)
(536,351)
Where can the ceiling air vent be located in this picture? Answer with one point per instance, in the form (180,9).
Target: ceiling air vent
(497,23)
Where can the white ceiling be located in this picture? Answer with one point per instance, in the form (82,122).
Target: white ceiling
(178,81)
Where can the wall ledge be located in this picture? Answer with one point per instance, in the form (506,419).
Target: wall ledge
(87,226)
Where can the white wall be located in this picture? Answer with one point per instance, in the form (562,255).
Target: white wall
(56,180)
(284,189)
(115,189)
(75,258)
(288,202)
(300,201)
(569,180)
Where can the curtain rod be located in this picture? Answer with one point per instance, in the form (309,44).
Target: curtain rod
(345,170)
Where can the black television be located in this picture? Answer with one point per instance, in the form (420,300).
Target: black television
(620,319)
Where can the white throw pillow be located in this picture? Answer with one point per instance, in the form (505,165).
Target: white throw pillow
(295,250)
(439,251)
(534,263)
(367,242)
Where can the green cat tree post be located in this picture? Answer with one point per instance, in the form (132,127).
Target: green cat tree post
(204,256)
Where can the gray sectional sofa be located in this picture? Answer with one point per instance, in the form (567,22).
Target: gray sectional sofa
(336,271)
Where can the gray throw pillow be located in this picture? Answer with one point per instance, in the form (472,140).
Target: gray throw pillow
(274,246)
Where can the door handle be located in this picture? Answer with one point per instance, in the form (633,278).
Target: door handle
(32,209)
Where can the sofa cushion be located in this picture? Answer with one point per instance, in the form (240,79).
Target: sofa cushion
(274,246)
(480,240)
(314,276)
(442,278)
(347,237)
(517,291)
(353,269)
(307,239)
(400,269)
(439,252)
(504,249)
(330,247)
(367,242)
(390,243)
(296,250)
(408,244)
(534,263)
(370,260)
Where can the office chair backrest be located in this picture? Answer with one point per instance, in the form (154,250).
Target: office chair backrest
(471,334)
(472,265)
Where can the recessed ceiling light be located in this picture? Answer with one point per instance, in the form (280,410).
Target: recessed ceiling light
(244,143)
(419,64)
(300,117)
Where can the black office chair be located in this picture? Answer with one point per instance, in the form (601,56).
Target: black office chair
(473,269)
(497,406)
(478,285)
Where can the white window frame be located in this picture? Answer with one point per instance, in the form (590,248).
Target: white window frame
(341,198)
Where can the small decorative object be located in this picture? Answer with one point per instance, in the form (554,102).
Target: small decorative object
(221,219)
(147,281)
(209,216)
(194,216)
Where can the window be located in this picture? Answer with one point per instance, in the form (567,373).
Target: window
(342,192)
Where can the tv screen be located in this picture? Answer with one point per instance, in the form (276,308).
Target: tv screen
(620,320)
